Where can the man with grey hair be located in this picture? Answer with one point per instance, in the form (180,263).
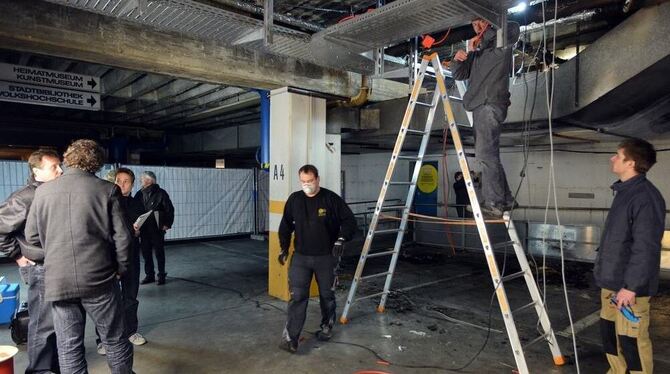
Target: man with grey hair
(79,222)
(152,232)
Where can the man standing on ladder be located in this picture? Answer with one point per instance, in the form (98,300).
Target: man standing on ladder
(322,222)
(627,266)
(487,97)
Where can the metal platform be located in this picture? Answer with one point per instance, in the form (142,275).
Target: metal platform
(404,19)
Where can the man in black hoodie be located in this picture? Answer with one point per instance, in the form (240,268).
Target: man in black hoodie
(627,266)
(42,353)
(322,222)
(152,232)
(488,68)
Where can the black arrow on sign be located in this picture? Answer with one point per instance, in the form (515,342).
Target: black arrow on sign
(91,100)
(92,83)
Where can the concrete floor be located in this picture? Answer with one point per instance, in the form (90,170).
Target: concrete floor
(214,316)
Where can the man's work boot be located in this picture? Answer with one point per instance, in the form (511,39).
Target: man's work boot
(148,279)
(289,346)
(161,280)
(325,333)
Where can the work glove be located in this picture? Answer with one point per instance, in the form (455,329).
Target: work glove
(338,247)
(283,256)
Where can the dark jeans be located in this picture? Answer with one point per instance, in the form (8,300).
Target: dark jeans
(42,351)
(153,241)
(130,285)
(487,120)
(299,279)
(106,311)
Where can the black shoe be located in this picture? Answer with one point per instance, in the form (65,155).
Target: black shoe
(160,281)
(148,280)
(325,334)
(510,206)
(289,346)
(492,212)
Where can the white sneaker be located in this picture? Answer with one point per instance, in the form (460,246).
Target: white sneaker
(137,339)
(101,349)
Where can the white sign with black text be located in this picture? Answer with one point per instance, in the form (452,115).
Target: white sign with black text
(51,78)
(50,96)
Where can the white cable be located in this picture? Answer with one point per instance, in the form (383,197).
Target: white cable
(552,177)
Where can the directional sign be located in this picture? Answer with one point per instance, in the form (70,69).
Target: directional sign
(51,78)
(50,96)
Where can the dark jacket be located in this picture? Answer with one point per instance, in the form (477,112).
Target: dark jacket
(79,221)
(132,209)
(13,215)
(461,191)
(318,222)
(630,248)
(488,69)
(157,199)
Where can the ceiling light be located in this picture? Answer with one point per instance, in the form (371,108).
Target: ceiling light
(518,8)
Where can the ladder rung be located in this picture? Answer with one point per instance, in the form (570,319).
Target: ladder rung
(369,296)
(379,254)
(424,104)
(513,276)
(503,244)
(389,231)
(531,304)
(455,98)
(538,339)
(400,183)
(417,158)
(391,207)
(375,275)
(417,132)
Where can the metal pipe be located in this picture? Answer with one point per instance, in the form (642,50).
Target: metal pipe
(577,17)
(277,16)
(265,128)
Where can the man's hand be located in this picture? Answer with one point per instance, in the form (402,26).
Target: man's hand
(461,55)
(23,262)
(338,247)
(165,228)
(283,256)
(625,298)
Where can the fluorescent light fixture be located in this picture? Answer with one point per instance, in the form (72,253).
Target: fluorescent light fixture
(518,8)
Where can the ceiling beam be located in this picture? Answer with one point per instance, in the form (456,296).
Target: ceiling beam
(51,29)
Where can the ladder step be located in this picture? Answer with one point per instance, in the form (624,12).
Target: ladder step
(513,276)
(529,305)
(416,132)
(369,296)
(538,339)
(417,158)
(503,244)
(391,208)
(455,98)
(400,183)
(379,254)
(424,104)
(375,275)
(389,231)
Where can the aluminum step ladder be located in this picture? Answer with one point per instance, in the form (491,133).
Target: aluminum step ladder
(441,94)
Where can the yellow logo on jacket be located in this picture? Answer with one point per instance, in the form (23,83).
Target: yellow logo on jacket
(322,212)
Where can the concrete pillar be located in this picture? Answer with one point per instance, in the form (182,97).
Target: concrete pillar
(297,137)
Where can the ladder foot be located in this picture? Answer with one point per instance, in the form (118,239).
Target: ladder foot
(380,309)
(559,360)
(344,320)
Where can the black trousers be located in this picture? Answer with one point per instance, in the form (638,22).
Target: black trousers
(130,286)
(153,241)
(299,278)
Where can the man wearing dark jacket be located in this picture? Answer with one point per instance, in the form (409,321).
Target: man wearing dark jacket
(322,222)
(627,266)
(487,68)
(42,353)
(152,232)
(79,222)
(130,281)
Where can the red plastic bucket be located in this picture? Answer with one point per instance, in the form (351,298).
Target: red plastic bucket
(7,353)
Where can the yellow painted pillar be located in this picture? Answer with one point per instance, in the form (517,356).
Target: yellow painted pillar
(297,137)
